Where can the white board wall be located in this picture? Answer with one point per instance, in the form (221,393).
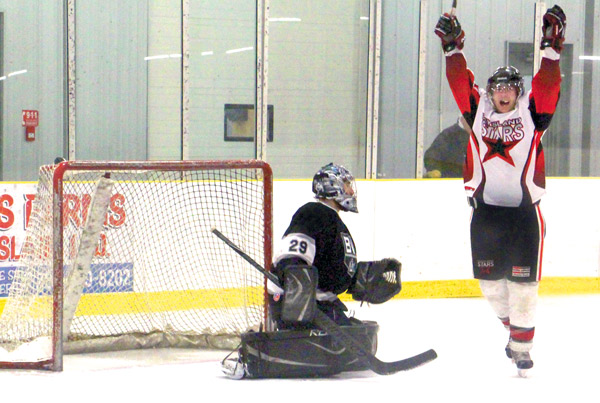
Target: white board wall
(425,224)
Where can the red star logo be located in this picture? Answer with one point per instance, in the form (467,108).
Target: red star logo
(498,148)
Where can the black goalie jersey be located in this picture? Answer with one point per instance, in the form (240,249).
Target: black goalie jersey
(318,237)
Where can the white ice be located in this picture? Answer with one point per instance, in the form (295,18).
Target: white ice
(471,366)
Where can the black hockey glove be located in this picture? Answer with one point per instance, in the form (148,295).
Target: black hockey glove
(553,31)
(450,32)
(376,282)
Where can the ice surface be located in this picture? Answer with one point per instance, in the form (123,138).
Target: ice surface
(471,367)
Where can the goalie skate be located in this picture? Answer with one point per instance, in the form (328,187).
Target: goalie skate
(233,368)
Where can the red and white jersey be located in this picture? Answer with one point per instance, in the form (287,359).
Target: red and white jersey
(505,158)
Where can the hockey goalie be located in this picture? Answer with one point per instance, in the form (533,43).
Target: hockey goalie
(317,262)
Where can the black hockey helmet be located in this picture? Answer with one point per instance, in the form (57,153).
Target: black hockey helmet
(330,183)
(506,76)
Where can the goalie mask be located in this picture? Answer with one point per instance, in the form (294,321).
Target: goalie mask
(335,182)
(505,77)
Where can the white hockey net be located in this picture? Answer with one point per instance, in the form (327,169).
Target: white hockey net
(157,277)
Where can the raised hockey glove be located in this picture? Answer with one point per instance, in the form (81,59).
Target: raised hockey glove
(553,30)
(450,32)
(376,282)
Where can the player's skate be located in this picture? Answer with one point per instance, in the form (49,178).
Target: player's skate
(523,362)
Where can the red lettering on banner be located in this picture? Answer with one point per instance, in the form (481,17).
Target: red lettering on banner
(13,251)
(117,210)
(75,212)
(72,250)
(4,248)
(8,249)
(27,207)
(71,210)
(7,217)
(101,248)
(76,209)
(41,249)
(86,200)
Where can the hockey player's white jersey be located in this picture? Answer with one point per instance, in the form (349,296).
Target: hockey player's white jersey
(505,159)
(507,145)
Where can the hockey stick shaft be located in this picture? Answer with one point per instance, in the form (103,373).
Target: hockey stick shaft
(333,329)
(463,120)
(240,252)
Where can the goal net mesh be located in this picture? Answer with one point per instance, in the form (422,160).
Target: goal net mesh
(158,276)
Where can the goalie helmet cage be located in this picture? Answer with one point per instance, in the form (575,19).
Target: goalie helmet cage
(120,255)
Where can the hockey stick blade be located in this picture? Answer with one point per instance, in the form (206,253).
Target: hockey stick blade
(326,324)
(375,364)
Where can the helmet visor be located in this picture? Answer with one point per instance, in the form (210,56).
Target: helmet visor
(504,87)
(348,198)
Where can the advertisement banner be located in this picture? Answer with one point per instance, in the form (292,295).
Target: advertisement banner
(16,201)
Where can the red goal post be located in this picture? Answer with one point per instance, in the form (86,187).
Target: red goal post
(120,255)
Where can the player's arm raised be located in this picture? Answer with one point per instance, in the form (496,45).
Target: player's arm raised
(545,87)
(460,78)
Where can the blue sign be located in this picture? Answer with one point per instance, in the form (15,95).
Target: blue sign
(109,277)
(6,278)
(102,278)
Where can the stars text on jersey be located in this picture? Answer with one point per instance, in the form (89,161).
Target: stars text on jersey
(500,137)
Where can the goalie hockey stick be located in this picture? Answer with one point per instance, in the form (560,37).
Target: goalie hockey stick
(334,330)
(453,9)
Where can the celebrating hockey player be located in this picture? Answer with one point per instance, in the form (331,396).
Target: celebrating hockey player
(504,175)
(316,262)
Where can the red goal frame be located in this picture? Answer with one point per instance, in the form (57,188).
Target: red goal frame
(55,363)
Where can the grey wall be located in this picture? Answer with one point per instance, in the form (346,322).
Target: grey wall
(399,89)
(220,77)
(32,41)
(130,108)
(111,80)
(318,86)
(164,80)
(593,68)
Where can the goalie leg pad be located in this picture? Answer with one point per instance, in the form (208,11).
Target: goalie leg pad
(303,353)
(299,297)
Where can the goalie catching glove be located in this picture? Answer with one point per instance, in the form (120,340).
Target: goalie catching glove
(376,282)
